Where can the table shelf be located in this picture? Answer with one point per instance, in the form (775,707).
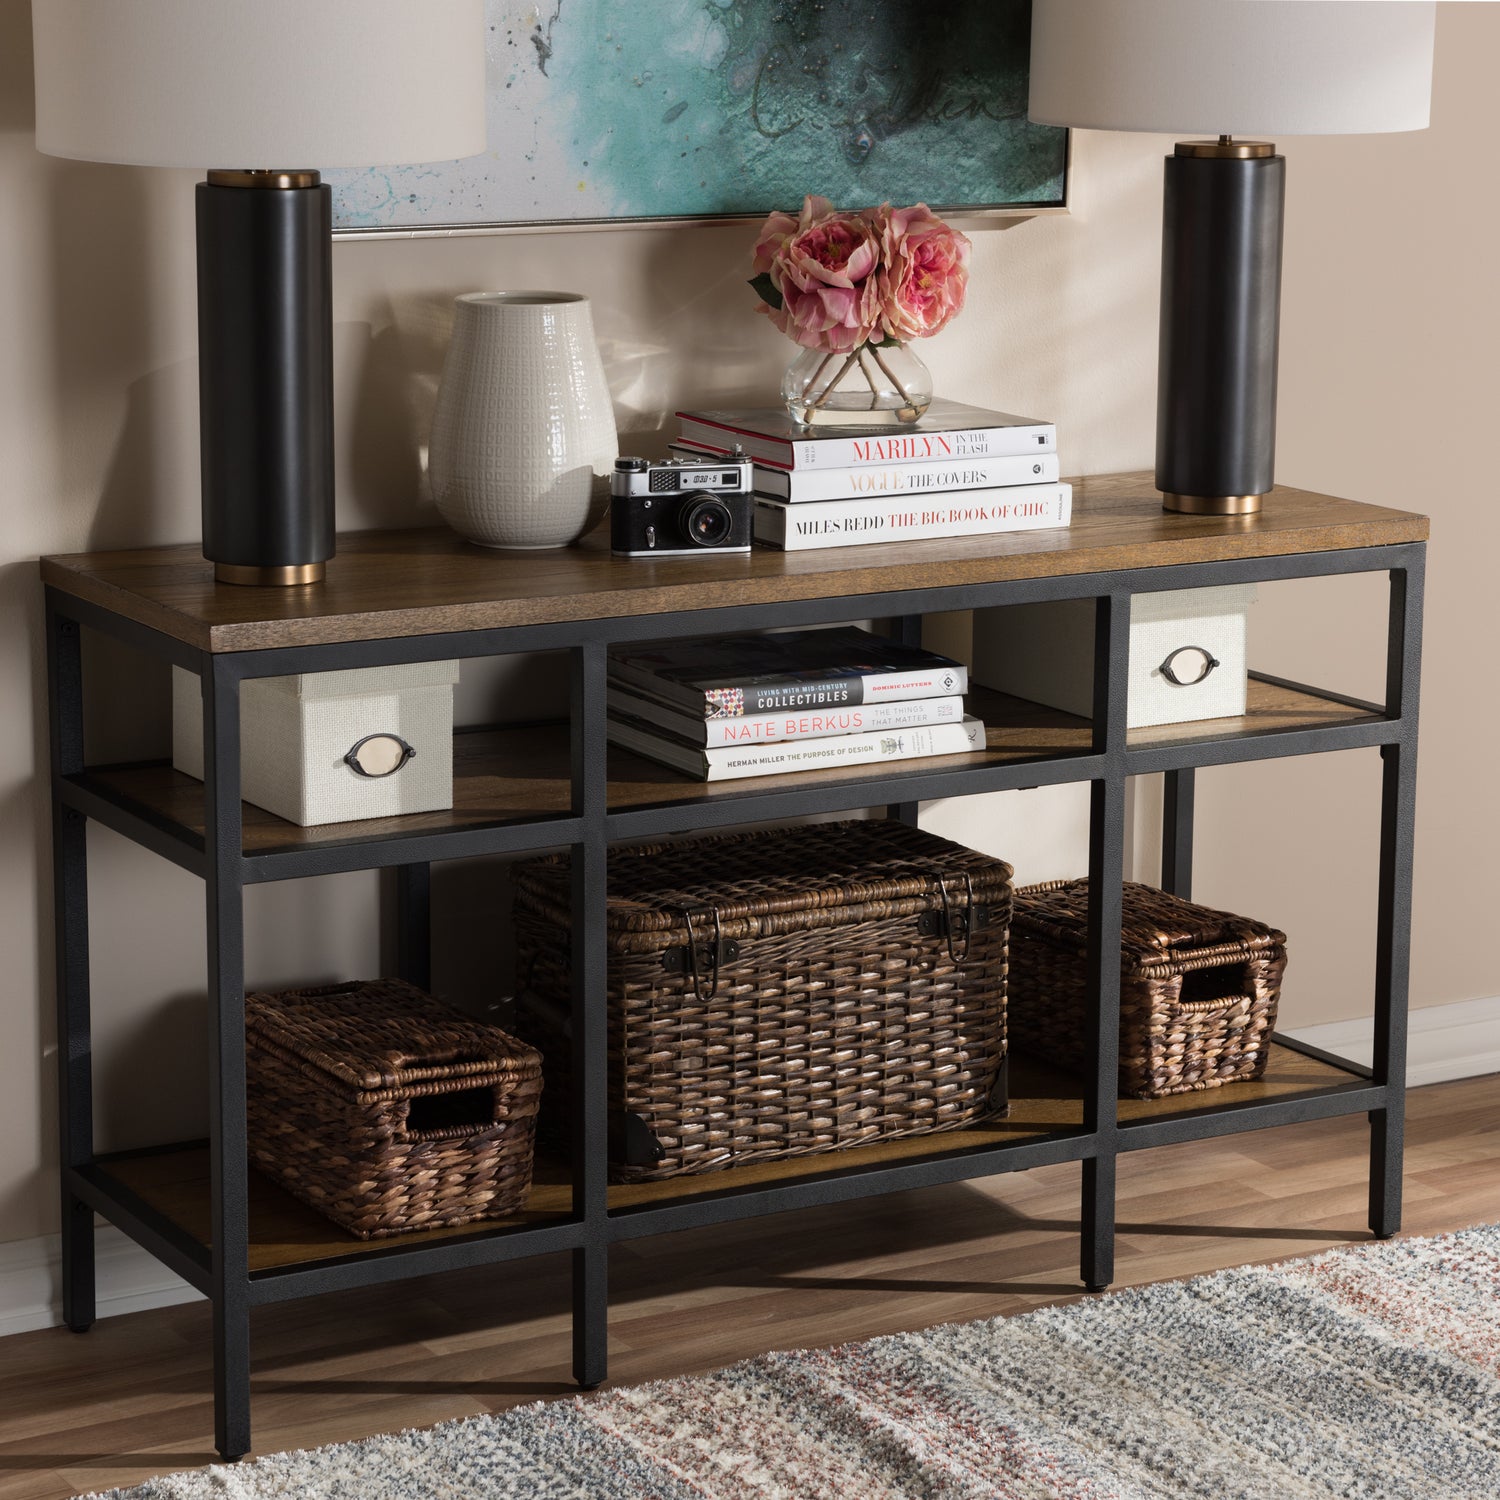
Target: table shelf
(408,597)
(1047,1107)
(512,790)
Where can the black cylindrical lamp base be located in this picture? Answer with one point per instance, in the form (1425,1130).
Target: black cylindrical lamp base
(1220,312)
(265,359)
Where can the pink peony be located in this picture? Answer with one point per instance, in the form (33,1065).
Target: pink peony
(925,273)
(847,278)
(824,265)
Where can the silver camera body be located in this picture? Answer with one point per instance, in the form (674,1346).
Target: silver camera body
(681,506)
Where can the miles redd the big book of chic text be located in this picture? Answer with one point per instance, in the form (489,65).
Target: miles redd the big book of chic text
(950,430)
(902,518)
(759,674)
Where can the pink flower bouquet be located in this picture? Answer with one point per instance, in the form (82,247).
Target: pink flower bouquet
(855,282)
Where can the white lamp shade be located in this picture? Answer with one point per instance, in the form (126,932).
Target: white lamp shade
(259,83)
(1232,67)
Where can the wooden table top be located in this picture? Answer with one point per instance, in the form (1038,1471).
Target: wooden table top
(385,584)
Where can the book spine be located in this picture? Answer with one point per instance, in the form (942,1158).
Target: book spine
(924,478)
(844,750)
(860,452)
(845,523)
(761,729)
(908,713)
(770,696)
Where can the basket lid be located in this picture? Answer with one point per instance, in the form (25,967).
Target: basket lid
(384,1036)
(771,881)
(1155,927)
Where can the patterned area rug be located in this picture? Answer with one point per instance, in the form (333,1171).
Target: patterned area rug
(1367,1372)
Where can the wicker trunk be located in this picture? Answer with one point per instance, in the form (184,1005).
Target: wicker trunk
(780,993)
(386,1110)
(1198,987)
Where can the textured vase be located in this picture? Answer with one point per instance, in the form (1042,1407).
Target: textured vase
(523,437)
(875,385)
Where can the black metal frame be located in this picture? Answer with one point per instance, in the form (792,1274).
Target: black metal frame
(222,1269)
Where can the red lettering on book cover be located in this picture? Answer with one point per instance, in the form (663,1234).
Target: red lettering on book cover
(912,445)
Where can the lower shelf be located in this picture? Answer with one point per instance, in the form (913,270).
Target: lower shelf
(1045,1101)
(285,1234)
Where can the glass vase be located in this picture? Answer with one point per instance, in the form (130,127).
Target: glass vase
(875,385)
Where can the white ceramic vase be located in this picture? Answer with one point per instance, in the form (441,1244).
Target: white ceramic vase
(523,437)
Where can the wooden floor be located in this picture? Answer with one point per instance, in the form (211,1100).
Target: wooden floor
(129,1399)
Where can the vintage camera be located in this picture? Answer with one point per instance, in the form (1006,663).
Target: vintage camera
(680,506)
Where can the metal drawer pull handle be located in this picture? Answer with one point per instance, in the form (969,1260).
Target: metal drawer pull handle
(1209,663)
(379,755)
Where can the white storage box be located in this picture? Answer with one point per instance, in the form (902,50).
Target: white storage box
(1187,654)
(330,747)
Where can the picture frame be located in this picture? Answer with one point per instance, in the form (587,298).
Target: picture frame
(690,111)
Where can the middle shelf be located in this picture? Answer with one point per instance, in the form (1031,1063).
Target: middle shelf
(512,789)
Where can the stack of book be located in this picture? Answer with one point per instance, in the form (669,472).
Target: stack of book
(959,471)
(797,700)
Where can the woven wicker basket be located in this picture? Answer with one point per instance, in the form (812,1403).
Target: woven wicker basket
(1198,987)
(834,992)
(385,1110)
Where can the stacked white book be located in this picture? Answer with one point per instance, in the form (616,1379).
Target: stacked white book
(760,705)
(959,471)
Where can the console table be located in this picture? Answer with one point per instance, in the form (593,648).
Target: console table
(425,595)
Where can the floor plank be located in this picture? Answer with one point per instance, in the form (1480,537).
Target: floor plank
(130,1399)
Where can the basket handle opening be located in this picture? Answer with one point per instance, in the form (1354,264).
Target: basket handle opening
(1214,987)
(435,1056)
(433,1117)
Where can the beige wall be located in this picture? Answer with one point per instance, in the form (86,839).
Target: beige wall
(1388,381)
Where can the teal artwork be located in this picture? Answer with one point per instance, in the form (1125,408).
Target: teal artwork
(601,111)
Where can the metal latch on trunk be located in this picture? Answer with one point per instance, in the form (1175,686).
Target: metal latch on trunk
(702,963)
(956,927)
(708,957)
(941,923)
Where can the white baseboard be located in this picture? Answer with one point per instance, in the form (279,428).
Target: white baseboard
(127,1278)
(1444,1042)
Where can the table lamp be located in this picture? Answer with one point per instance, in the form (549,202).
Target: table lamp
(1226,67)
(254,90)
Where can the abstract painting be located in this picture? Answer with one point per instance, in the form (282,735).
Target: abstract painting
(676,109)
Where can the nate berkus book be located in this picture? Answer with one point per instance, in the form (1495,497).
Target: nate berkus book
(790,724)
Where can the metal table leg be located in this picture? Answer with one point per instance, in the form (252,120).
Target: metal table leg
(1393,919)
(75,1089)
(228,1163)
(589,1122)
(414,924)
(1106,865)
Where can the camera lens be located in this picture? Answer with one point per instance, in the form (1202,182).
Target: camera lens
(707,522)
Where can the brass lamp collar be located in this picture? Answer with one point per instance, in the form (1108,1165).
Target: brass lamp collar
(1211,505)
(262,178)
(1224,147)
(277,576)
